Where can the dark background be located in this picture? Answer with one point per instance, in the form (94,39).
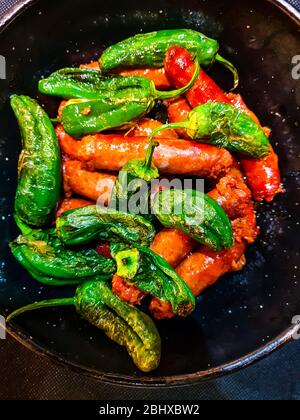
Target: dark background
(25,375)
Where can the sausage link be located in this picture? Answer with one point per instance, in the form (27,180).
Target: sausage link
(127,292)
(72,204)
(173,245)
(92,185)
(263,175)
(178,111)
(180,67)
(172,156)
(158,76)
(146,126)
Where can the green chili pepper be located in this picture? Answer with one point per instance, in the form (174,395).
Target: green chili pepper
(133,179)
(39,165)
(48,261)
(101,103)
(224,126)
(154,276)
(122,323)
(196,214)
(80,226)
(148,50)
(132,98)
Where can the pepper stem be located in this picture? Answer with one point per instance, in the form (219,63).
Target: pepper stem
(231,67)
(56,120)
(149,153)
(177,92)
(170,126)
(41,305)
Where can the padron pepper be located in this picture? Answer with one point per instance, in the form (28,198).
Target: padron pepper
(80,226)
(39,181)
(122,323)
(51,263)
(101,102)
(195,214)
(224,126)
(149,50)
(153,275)
(133,180)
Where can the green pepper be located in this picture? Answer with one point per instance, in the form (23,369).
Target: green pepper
(39,165)
(224,126)
(51,263)
(195,214)
(80,226)
(149,50)
(154,276)
(122,323)
(118,103)
(134,178)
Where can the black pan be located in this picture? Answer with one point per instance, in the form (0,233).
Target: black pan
(246,315)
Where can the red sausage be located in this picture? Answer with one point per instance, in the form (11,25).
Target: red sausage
(263,175)
(72,204)
(146,126)
(158,76)
(92,185)
(173,245)
(180,67)
(172,156)
(127,292)
(178,111)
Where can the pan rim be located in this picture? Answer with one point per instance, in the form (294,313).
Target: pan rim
(150,382)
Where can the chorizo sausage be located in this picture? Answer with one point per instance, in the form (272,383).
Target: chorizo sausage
(92,185)
(172,156)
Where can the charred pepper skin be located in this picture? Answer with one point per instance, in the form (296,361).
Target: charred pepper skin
(224,126)
(148,50)
(100,103)
(213,227)
(50,262)
(39,183)
(81,226)
(156,277)
(122,323)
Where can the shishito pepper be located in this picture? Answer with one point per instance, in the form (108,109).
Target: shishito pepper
(100,103)
(122,323)
(224,126)
(148,50)
(80,226)
(153,275)
(134,178)
(39,164)
(51,263)
(195,214)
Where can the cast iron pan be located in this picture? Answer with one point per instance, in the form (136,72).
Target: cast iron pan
(246,315)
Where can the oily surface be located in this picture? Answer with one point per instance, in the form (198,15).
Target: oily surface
(243,311)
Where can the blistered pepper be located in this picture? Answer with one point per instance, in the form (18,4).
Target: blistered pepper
(151,274)
(39,181)
(122,323)
(195,214)
(149,50)
(224,126)
(48,261)
(81,226)
(98,103)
